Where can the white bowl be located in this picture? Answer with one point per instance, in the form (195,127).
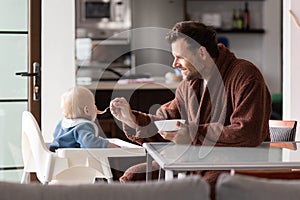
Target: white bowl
(168,125)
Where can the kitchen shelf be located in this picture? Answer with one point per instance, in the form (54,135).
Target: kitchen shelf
(226,0)
(239,31)
(86,64)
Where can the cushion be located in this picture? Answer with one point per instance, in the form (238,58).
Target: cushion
(191,188)
(239,187)
(282,134)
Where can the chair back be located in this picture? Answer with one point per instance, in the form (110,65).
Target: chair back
(48,167)
(68,165)
(36,157)
(282,130)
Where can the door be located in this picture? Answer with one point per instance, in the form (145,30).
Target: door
(19,49)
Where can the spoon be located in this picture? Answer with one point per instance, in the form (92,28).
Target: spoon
(102,112)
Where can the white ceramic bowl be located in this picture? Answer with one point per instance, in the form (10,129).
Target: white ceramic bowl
(168,125)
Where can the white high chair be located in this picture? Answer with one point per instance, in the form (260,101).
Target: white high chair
(67,165)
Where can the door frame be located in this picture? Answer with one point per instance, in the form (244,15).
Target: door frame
(34,54)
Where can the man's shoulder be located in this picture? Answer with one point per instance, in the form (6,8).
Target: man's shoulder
(246,70)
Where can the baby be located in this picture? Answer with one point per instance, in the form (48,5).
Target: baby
(77,129)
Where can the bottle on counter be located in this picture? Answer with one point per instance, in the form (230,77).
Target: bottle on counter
(246,16)
(234,19)
(240,20)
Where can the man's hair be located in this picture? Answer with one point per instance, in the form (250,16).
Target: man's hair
(192,32)
(74,100)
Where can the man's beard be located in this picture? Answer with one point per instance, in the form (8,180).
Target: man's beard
(192,76)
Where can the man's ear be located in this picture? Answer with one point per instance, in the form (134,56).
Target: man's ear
(86,110)
(202,52)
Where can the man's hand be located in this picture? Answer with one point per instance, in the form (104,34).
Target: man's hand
(121,110)
(181,136)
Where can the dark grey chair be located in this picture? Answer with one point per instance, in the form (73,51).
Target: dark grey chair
(282,130)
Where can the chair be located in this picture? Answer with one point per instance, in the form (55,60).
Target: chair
(48,167)
(282,130)
(67,165)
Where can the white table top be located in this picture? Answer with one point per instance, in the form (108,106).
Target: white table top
(127,150)
(188,158)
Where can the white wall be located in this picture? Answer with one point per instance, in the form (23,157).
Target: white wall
(58,59)
(291,62)
(271,52)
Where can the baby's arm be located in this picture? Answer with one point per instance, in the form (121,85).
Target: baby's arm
(85,136)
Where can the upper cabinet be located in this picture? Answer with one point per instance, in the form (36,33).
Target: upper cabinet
(152,19)
(228,16)
(260,42)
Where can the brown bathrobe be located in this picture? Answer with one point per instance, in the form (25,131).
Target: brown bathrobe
(233,109)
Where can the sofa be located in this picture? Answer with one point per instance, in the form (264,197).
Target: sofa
(191,188)
(237,187)
(241,187)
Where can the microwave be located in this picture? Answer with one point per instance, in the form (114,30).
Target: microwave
(94,18)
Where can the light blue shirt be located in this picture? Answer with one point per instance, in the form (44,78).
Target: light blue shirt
(77,133)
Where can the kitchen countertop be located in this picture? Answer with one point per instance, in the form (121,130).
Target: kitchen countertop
(156,83)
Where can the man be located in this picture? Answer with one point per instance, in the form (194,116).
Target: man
(224,99)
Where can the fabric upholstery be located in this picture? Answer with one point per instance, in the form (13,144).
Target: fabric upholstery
(282,130)
(239,187)
(192,188)
(282,134)
(138,173)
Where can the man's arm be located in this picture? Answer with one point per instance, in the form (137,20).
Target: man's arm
(146,131)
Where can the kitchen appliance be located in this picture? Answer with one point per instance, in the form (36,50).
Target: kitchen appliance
(101,19)
(106,24)
(108,62)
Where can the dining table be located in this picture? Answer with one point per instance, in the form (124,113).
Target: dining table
(177,159)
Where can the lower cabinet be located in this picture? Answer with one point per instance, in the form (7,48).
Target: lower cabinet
(144,100)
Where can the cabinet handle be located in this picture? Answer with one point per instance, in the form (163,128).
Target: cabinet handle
(294,18)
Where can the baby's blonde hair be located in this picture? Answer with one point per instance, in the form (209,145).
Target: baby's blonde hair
(74,100)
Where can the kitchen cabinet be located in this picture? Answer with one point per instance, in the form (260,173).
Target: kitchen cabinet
(144,97)
(142,100)
(160,15)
